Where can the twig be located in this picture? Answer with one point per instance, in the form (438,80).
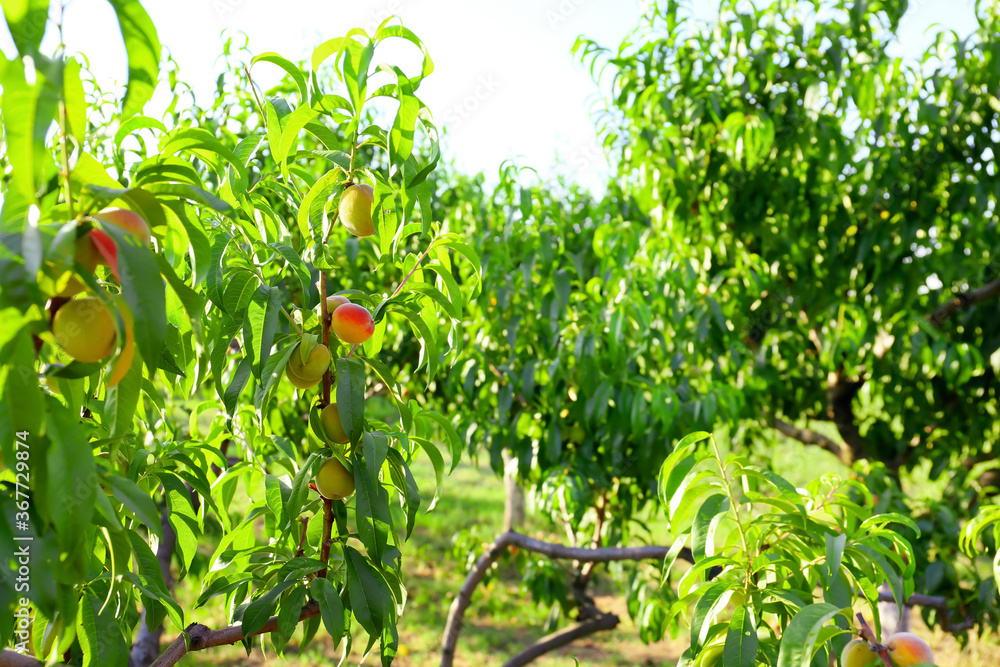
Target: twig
(869,636)
(201,637)
(810,437)
(453,628)
(938,602)
(324,550)
(416,266)
(557,639)
(964,300)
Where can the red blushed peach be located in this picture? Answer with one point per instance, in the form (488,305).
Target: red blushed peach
(352,323)
(129,221)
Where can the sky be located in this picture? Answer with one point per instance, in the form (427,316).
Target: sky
(505,84)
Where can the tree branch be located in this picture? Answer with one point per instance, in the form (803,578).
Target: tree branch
(964,300)
(202,638)
(840,393)
(810,437)
(9,658)
(938,602)
(563,637)
(449,640)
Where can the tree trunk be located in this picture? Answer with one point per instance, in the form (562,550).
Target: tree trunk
(513,510)
(146,648)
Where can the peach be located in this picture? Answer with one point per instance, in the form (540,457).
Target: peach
(128,220)
(84,329)
(305,374)
(336,300)
(907,649)
(356,209)
(119,217)
(330,418)
(87,255)
(334,481)
(857,653)
(352,323)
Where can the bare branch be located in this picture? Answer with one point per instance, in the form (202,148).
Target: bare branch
(964,300)
(202,637)
(810,437)
(567,636)
(9,658)
(938,602)
(449,640)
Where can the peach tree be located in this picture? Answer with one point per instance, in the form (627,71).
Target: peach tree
(214,327)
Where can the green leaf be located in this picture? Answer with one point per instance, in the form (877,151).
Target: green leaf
(26,21)
(331,608)
(263,313)
(741,640)
(351,396)
(70,465)
(137,502)
(798,642)
(402,479)
(237,384)
(290,610)
(297,76)
(97,629)
(143,48)
(705,523)
(450,432)
(371,499)
(259,611)
(144,291)
(122,400)
(371,598)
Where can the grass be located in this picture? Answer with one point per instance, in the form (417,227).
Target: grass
(502,618)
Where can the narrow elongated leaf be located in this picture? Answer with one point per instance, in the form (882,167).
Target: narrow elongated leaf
(351,396)
(143,48)
(741,640)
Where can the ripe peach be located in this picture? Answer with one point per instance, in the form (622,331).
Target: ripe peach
(330,418)
(907,649)
(356,209)
(120,217)
(857,653)
(84,329)
(352,323)
(305,374)
(336,300)
(128,220)
(334,481)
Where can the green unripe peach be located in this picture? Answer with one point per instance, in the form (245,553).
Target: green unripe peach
(330,418)
(352,323)
(356,209)
(857,653)
(332,302)
(334,481)
(307,374)
(84,329)
(710,656)
(907,649)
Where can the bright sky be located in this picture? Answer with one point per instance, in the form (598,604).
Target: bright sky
(504,85)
